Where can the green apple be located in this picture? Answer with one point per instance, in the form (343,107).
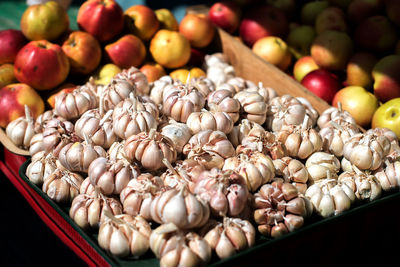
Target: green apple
(311,10)
(300,39)
(331,18)
(388,116)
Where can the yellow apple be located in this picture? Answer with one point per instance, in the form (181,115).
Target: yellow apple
(273,50)
(106,73)
(360,103)
(388,116)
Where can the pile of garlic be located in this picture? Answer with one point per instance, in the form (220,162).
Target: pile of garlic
(188,170)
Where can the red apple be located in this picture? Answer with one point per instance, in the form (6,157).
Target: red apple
(332,50)
(198,29)
(359,69)
(41,64)
(359,10)
(13,99)
(11,41)
(141,21)
(331,18)
(322,83)
(310,11)
(303,66)
(263,21)
(83,52)
(386,78)
(196,57)
(393,11)
(126,52)
(153,71)
(360,103)
(376,34)
(45,21)
(226,15)
(101,18)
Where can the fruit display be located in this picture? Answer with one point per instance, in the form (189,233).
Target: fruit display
(186,163)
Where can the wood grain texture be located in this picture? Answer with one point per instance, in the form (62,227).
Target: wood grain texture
(7,143)
(251,67)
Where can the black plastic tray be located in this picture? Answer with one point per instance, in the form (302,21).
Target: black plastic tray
(264,247)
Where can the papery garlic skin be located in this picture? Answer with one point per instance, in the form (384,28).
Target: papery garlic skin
(389,176)
(292,171)
(178,133)
(115,92)
(319,164)
(253,106)
(365,186)
(36,144)
(57,134)
(334,114)
(203,84)
(222,101)
(21,130)
(125,235)
(62,186)
(205,120)
(133,122)
(137,78)
(41,167)
(160,86)
(88,210)
(241,130)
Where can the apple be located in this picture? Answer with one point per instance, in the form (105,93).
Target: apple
(322,83)
(388,116)
(167,19)
(360,103)
(141,21)
(397,49)
(101,18)
(41,64)
(331,18)
(376,34)
(263,21)
(45,21)
(340,3)
(359,10)
(273,50)
(310,11)
(332,50)
(153,71)
(14,97)
(198,29)
(386,78)
(393,11)
(11,41)
(300,39)
(287,6)
(359,69)
(63,89)
(126,52)
(7,75)
(104,75)
(303,66)
(226,15)
(196,57)
(83,52)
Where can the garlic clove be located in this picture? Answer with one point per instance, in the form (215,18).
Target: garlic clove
(224,249)
(119,245)
(237,237)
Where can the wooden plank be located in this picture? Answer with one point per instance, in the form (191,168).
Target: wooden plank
(7,143)
(251,67)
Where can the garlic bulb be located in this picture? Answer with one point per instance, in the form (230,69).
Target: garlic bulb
(364,185)
(311,112)
(36,144)
(42,119)
(160,86)
(21,130)
(138,194)
(180,207)
(389,176)
(88,211)
(335,136)
(300,141)
(62,185)
(334,114)
(136,103)
(78,156)
(238,84)
(97,126)
(124,235)
(280,209)
(57,134)
(181,101)
(116,151)
(150,149)
(115,92)
(218,69)
(222,101)
(175,248)
(224,190)
(285,110)
(241,130)
(87,187)
(262,141)
(321,164)
(389,134)
(111,176)
(137,78)
(267,93)
(73,105)
(183,175)
(293,171)
(205,120)
(346,165)
(229,237)
(255,167)
(253,106)
(203,84)
(329,197)
(367,151)
(41,167)
(178,133)
(210,148)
